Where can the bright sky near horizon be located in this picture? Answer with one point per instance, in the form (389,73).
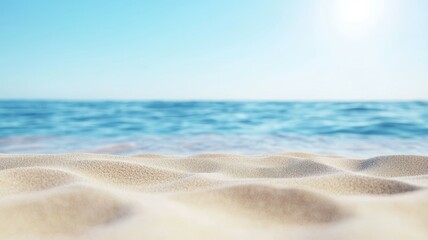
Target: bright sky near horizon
(215,50)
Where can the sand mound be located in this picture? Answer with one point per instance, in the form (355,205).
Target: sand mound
(19,180)
(125,173)
(68,210)
(353,184)
(395,166)
(212,196)
(282,205)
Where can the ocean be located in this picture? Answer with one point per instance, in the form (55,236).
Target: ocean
(359,129)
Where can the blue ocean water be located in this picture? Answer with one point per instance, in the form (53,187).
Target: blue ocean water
(169,127)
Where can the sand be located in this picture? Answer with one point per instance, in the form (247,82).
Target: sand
(213,196)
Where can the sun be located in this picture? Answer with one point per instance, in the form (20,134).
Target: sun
(356,17)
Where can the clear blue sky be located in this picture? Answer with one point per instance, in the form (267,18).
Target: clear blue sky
(231,49)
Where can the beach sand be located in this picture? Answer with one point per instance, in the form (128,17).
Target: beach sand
(213,196)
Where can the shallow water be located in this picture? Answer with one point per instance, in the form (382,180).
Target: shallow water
(350,128)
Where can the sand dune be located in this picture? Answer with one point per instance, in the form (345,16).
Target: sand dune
(213,196)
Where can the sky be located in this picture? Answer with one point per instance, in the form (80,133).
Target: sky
(214,50)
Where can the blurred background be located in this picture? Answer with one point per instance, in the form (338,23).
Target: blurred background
(181,77)
(359,129)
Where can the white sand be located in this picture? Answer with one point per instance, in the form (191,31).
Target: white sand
(212,196)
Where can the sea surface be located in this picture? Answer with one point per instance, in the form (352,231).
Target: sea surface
(359,129)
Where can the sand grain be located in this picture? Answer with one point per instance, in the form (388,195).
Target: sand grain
(212,196)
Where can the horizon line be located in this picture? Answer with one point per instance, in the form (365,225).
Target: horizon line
(204,100)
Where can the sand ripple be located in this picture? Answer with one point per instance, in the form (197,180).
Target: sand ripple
(212,196)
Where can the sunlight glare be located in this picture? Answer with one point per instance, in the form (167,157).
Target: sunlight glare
(354,18)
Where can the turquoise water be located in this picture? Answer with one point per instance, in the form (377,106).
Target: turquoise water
(351,128)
